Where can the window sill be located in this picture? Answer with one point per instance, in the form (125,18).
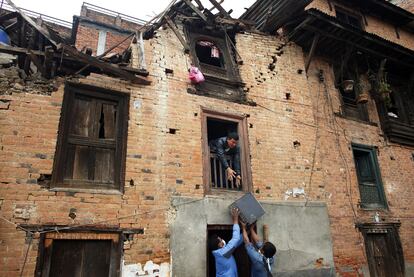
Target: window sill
(373,208)
(225,192)
(92,191)
(356,120)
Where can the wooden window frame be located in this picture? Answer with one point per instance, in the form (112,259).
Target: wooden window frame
(46,249)
(245,166)
(371,151)
(121,133)
(229,72)
(349,12)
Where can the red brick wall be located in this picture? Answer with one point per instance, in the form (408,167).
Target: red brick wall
(162,164)
(88,34)
(405,4)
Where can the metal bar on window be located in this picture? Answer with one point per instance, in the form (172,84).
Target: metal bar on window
(221,173)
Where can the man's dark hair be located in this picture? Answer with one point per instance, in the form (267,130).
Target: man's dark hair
(268,249)
(233,135)
(213,242)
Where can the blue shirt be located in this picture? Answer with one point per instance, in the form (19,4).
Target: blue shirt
(257,264)
(225,262)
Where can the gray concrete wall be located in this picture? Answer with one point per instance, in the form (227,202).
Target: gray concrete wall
(300,232)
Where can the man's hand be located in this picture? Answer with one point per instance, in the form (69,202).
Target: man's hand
(230,174)
(235,214)
(238,180)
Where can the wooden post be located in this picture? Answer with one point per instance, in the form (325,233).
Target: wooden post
(265,232)
(141,51)
(312,51)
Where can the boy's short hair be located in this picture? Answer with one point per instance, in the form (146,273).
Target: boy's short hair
(213,242)
(233,135)
(268,249)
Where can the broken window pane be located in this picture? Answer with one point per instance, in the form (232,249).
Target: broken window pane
(107,121)
(93,142)
(81,118)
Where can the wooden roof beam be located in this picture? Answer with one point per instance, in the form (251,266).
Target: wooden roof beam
(196,10)
(219,8)
(104,66)
(312,51)
(40,29)
(8,16)
(177,33)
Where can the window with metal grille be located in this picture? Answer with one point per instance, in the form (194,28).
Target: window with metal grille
(369,180)
(215,126)
(92,140)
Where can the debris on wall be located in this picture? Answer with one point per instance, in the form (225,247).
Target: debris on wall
(149,270)
(24,211)
(15,80)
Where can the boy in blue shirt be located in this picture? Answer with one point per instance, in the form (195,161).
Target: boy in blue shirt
(261,254)
(223,253)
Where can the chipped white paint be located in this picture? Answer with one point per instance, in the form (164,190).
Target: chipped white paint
(295,192)
(390,187)
(150,270)
(24,211)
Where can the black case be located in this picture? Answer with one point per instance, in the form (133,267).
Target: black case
(250,208)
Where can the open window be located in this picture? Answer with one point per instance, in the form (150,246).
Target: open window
(369,179)
(349,17)
(240,254)
(348,83)
(208,53)
(79,254)
(92,140)
(215,126)
(212,51)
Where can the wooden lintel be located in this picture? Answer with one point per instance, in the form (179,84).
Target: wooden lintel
(104,66)
(196,10)
(177,33)
(18,50)
(312,51)
(219,8)
(8,16)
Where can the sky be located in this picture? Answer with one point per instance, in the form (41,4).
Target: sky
(143,9)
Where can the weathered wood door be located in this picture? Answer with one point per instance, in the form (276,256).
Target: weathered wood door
(384,251)
(77,258)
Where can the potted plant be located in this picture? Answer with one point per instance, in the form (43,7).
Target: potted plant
(384,90)
(362,96)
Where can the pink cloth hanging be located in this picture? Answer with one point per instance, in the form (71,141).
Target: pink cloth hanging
(195,75)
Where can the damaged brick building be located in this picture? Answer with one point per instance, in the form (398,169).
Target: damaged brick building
(104,156)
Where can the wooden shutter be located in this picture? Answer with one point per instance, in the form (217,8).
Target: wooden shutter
(370,185)
(91,140)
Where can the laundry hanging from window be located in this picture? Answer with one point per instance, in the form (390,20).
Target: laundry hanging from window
(209,53)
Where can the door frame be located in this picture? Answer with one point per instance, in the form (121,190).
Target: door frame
(393,242)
